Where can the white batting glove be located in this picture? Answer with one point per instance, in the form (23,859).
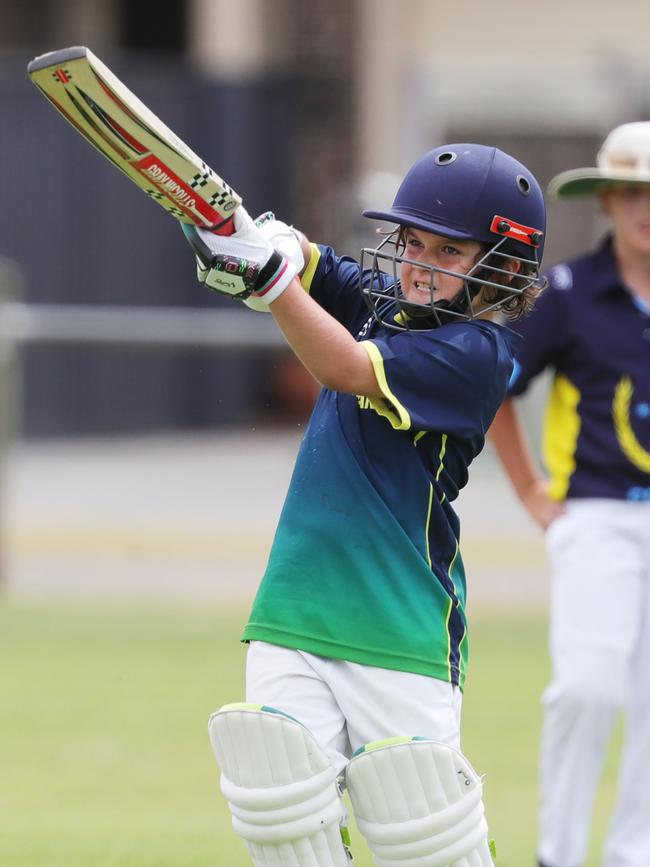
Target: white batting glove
(286,240)
(241,265)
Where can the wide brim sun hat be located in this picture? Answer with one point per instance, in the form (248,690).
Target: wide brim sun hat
(623,158)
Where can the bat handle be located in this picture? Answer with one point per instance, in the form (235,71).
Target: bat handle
(227,227)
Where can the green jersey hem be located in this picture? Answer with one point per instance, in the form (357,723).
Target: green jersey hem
(363,656)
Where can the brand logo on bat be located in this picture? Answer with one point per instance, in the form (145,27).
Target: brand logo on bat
(61,74)
(170,185)
(110,117)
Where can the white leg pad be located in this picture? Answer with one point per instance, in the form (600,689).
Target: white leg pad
(418,802)
(280,786)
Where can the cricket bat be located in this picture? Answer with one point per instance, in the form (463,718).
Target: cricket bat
(109,116)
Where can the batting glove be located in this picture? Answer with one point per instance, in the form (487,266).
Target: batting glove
(286,240)
(241,265)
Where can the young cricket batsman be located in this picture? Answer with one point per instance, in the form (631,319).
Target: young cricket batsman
(358,643)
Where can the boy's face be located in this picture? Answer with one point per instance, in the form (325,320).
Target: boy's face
(435,250)
(628,208)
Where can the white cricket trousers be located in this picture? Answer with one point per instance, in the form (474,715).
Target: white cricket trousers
(346,705)
(600,651)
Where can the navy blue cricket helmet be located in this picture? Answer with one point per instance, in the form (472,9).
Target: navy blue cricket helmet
(468,192)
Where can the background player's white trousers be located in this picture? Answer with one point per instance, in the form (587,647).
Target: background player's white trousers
(346,705)
(600,650)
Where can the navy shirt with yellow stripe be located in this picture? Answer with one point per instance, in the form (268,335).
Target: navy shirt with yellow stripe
(365,564)
(595,335)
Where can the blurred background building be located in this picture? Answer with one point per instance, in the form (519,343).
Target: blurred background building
(312,109)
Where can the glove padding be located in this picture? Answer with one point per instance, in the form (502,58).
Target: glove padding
(286,240)
(243,264)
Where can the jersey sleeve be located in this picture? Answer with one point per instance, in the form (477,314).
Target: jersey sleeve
(450,380)
(545,332)
(333,282)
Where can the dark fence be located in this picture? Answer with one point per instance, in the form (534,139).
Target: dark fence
(83,234)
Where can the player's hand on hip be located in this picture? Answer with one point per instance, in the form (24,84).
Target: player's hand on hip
(542,508)
(241,265)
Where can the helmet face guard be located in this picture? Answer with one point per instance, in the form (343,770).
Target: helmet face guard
(381,286)
(465,192)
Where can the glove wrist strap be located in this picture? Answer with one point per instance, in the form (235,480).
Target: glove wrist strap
(274,278)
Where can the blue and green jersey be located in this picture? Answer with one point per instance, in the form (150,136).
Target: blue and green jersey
(365,564)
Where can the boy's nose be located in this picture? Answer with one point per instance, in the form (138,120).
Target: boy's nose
(427,262)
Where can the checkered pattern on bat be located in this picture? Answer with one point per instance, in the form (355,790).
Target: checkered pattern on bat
(221,198)
(200,179)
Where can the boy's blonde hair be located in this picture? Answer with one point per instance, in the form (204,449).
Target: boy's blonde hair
(523,290)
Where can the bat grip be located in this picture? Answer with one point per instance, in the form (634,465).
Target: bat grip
(227,227)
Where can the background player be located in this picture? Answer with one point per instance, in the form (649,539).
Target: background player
(359,629)
(593,329)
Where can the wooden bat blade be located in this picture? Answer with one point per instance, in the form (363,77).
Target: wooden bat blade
(112,118)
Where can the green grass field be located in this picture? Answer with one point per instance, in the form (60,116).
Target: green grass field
(104,755)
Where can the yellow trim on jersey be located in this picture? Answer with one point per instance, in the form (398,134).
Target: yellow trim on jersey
(308,274)
(426,526)
(441,456)
(630,446)
(450,572)
(402,318)
(388,406)
(462,666)
(561,431)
